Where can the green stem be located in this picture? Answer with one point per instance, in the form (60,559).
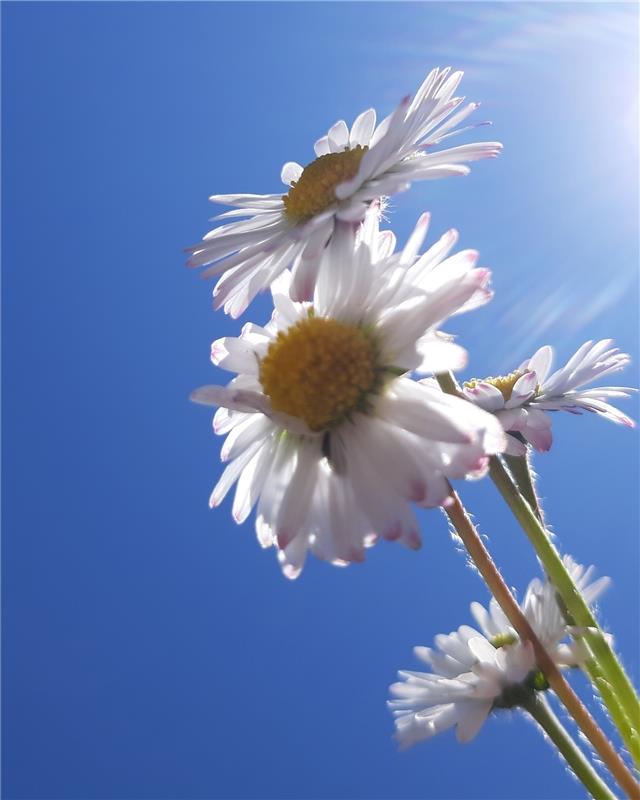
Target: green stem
(618,714)
(499,589)
(543,714)
(448,383)
(521,471)
(604,668)
(607,672)
(520,468)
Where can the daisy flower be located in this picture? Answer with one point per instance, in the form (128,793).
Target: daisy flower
(352,168)
(541,608)
(470,677)
(327,432)
(520,400)
(474,672)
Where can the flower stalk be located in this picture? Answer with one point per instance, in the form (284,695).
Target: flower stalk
(520,469)
(603,668)
(541,711)
(494,580)
(521,472)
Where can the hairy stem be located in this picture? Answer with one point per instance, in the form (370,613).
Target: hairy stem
(607,672)
(520,468)
(521,472)
(543,714)
(604,668)
(494,580)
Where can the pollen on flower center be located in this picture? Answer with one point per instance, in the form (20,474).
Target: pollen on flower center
(320,370)
(504,383)
(315,190)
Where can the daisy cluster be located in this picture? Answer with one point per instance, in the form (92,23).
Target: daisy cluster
(335,429)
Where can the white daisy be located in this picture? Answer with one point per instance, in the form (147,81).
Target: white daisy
(541,608)
(474,672)
(469,678)
(326,431)
(520,399)
(353,168)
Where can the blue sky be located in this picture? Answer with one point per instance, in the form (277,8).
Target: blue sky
(151,648)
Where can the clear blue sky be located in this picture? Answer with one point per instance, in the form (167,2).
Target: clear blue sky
(151,648)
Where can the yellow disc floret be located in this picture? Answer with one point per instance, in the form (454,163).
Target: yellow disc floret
(503,640)
(504,383)
(320,370)
(315,190)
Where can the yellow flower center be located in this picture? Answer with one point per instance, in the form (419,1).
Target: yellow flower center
(320,370)
(315,190)
(504,383)
(503,640)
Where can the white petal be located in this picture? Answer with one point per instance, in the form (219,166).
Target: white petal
(362,129)
(231,474)
(415,240)
(417,409)
(293,557)
(291,173)
(515,447)
(235,399)
(485,395)
(485,620)
(482,649)
(352,212)
(537,430)
(251,481)
(523,390)
(295,504)
(338,136)
(236,355)
(471,719)
(540,362)
(242,436)
(401,328)
(438,355)
(322,147)
(305,271)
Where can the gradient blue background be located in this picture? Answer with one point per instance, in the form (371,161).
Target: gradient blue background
(151,648)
